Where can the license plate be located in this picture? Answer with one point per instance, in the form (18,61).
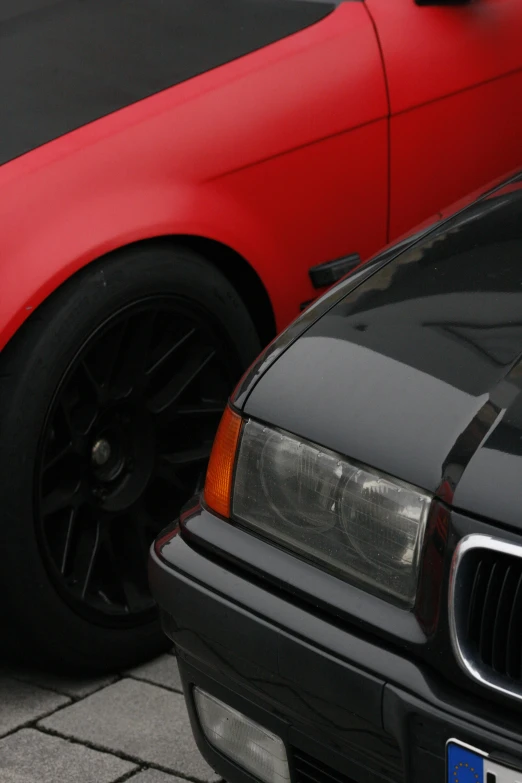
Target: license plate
(469,765)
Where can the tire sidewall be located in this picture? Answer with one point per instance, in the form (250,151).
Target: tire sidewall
(33,367)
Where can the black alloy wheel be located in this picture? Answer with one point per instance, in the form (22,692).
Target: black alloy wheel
(110,396)
(125,446)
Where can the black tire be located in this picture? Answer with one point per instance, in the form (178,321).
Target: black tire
(46,619)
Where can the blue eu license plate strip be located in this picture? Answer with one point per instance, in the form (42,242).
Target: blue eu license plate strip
(465,764)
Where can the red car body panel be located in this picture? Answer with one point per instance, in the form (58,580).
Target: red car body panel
(455,85)
(471,150)
(283,155)
(435,51)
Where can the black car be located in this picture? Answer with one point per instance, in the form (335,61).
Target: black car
(346,597)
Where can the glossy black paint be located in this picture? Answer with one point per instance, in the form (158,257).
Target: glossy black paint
(412,365)
(353,747)
(318,680)
(321,600)
(331,596)
(362,751)
(315,309)
(263,652)
(416,370)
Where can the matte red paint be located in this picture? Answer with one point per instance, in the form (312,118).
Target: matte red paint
(283,155)
(470,136)
(434,51)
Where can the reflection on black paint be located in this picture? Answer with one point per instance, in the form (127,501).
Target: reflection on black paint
(416,371)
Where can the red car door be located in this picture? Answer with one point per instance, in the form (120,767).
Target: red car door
(455,86)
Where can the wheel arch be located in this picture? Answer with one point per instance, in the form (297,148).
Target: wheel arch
(242,275)
(234,267)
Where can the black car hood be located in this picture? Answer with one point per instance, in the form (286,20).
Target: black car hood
(64,63)
(416,372)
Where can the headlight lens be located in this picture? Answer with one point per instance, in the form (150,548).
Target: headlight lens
(357,523)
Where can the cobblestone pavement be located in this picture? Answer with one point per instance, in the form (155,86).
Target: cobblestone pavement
(133,727)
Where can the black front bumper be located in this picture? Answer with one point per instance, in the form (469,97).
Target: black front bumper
(347,707)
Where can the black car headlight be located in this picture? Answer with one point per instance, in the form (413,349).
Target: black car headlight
(347,518)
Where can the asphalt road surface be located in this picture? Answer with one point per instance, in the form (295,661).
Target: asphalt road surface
(133,727)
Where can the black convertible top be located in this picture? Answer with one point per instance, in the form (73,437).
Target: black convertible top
(64,63)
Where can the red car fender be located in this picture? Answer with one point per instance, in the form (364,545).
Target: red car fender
(40,252)
(161,166)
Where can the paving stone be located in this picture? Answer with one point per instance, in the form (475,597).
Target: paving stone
(154,776)
(77,687)
(140,720)
(22,703)
(162,671)
(32,757)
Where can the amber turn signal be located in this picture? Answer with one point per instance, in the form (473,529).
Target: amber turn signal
(220,471)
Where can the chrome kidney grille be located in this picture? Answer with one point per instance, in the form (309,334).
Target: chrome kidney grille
(485,610)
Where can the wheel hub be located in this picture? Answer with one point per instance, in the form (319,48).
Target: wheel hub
(122,457)
(101,452)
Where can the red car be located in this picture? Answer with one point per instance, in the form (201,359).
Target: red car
(178,178)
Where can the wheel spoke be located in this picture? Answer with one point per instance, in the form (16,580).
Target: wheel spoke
(59,498)
(95,387)
(116,576)
(58,456)
(84,557)
(84,420)
(74,418)
(95,371)
(170,394)
(188,456)
(63,419)
(162,355)
(131,362)
(90,566)
(68,540)
(113,342)
(126,556)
